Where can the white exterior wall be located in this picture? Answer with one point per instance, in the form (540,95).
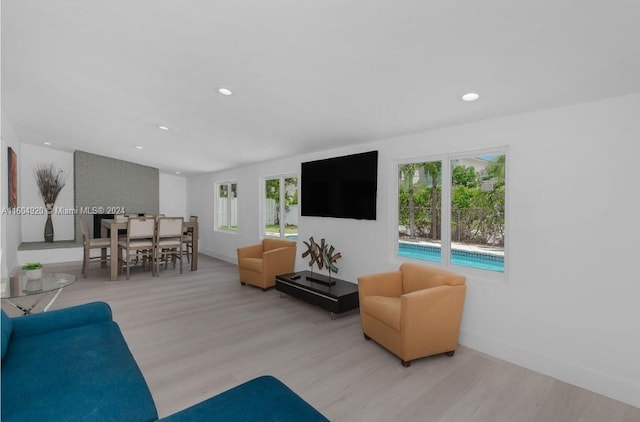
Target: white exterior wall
(567,306)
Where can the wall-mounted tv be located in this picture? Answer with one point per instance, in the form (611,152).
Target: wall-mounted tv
(340,187)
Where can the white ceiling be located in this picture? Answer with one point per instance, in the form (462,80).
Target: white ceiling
(100,76)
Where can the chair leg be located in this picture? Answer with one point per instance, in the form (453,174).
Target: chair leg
(128,264)
(120,262)
(84,265)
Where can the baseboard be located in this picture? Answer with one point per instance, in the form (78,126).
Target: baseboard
(588,378)
(212,254)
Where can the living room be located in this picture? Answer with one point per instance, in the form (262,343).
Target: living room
(565,305)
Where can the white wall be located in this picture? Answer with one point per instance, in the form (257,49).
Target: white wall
(10,226)
(568,304)
(33,225)
(173,195)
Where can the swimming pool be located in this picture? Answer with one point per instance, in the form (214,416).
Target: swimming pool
(458,257)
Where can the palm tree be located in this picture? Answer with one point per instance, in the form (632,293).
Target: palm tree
(408,171)
(496,169)
(433,169)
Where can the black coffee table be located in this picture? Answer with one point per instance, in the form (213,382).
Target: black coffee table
(335,295)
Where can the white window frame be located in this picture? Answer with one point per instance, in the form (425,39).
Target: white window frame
(263,205)
(446,187)
(217,223)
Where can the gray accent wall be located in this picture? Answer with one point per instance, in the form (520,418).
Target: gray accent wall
(102,183)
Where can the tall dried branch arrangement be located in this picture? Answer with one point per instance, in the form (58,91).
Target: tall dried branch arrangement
(50,181)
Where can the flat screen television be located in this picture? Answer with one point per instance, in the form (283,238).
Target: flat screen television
(340,187)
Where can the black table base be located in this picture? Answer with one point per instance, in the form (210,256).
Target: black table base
(335,295)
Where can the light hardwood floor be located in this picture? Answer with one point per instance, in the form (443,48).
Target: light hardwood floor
(200,333)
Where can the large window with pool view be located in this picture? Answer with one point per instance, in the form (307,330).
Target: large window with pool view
(463,194)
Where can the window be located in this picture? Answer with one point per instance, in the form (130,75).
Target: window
(227,207)
(464,193)
(280,207)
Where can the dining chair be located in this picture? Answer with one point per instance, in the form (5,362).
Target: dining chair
(88,244)
(168,242)
(139,242)
(187,238)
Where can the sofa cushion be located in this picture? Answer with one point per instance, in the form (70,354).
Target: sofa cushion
(7,327)
(262,399)
(80,373)
(384,309)
(60,319)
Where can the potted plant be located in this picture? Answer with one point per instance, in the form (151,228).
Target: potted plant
(33,270)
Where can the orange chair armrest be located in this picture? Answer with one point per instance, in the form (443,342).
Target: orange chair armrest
(279,261)
(436,304)
(382,284)
(253,251)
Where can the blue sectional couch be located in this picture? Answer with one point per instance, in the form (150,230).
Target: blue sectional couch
(74,364)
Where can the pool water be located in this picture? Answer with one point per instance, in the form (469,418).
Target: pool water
(459,257)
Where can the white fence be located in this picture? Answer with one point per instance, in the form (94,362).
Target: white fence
(222,212)
(271,213)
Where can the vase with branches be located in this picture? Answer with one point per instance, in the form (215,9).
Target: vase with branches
(50,181)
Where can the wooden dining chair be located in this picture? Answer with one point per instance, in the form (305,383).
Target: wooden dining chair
(139,243)
(88,243)
(187,238)
(168,242)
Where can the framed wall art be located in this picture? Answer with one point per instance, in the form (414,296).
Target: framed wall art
(12,166)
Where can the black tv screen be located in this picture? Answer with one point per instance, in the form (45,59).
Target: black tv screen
(341,187)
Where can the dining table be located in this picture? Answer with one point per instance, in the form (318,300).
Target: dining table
(110,228)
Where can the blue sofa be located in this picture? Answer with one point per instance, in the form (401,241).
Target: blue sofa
(74,364)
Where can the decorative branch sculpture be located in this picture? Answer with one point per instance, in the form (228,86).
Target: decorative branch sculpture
(50,182)
(322,255)
(315,252)
(330,258)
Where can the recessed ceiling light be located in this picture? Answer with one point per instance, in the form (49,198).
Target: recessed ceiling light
(470,96)
(225,91)
(139,147)
(47,143)
(163,128)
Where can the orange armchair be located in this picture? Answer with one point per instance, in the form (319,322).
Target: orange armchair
(259,264)
(413,312)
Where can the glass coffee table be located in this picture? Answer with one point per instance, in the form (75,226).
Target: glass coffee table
(20,286)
